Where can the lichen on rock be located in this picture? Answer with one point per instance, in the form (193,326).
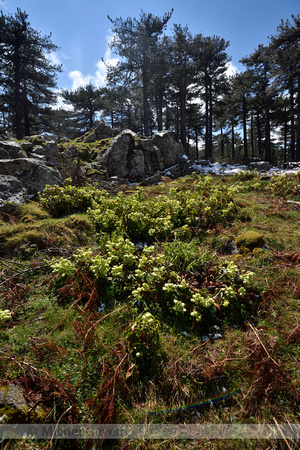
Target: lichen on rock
(14,408)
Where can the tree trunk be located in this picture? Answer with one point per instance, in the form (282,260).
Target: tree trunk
(222,144)
(252,135)
(17,95)
(206,122)
(210,141)
(145,104)
(129,117)
(298,122)
(267,129)
(258,135)
(112,118)
(232,142)
(292,115)
(160,111)
(245,126)
(285,136)
(183,116)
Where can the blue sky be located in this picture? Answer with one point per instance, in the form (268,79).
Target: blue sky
(81,28)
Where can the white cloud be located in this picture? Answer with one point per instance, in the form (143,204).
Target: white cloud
(53,58)
(99,78)
(231,70)
(3,3)
(78,79)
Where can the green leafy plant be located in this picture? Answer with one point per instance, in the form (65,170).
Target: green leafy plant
(68,199)
(5,314)
(143,344)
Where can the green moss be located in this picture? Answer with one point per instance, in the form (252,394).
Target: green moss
(31,212)
(258,252)
(79,222)
(249,240)
(27,238)
(15,409)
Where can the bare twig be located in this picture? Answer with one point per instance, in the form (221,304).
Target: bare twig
(280,431)
(262,344)
(22,273)
(50,443)
(102,318)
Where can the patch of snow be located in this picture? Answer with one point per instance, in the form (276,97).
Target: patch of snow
(184,333)
(216,168)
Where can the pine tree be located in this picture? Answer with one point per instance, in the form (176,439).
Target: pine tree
(135,41)
(211,62)
(86,101)
(259,65)
(285,46)
(181,74)
(27,76)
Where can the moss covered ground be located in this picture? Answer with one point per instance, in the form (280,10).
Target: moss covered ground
(128,308)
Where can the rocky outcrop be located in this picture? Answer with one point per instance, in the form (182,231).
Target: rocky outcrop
(32,173)
(12,193)
(129,156)
(10,149)
(23,177)
(26,168)
(99,132)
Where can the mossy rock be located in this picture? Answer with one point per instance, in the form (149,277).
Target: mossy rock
(14,408)
(249,241)
(258,252)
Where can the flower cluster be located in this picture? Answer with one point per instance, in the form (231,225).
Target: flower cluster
(5,314)
(155,218)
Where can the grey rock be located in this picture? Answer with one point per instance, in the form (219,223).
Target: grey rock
(115,158)
(100,131)
(136,164)
(15,397)
(15,408)
(33,173)
(12,193)
(4,154)
(12,148)
(170,148)
(131,157)
(26,145)
(52,152)
(291,165)
(230,248)
(36,139)
(71,152)
(173,172)
(92,137)
(38,150)
(260,165)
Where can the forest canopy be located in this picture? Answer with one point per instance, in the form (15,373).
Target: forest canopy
(178,82)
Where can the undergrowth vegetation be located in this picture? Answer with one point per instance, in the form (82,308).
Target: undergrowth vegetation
(127,308)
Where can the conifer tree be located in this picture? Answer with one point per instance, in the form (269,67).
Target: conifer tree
(135,41)
(86,101)
(27,76)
